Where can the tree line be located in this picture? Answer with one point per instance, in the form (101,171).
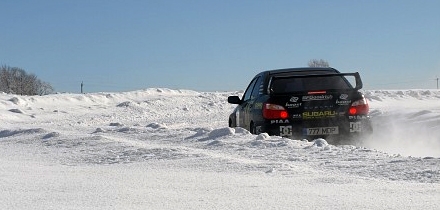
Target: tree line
(318,63)
(15,80)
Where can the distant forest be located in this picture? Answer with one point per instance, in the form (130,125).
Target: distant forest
(15,80)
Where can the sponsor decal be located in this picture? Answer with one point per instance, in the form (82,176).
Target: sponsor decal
(296,116)
(342,101)
(293,105)
(319,114)
(286,130)
(279,121)
(318,107)
(258,106)
(355,127)
(343,96)
(294,99)
(317,98)
(357,117)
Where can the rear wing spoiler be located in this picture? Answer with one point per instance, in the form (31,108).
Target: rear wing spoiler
(356,76)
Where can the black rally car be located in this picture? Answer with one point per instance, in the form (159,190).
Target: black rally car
(303,103)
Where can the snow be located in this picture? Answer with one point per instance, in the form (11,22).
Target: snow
(171,149)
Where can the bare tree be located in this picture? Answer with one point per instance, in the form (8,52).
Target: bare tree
(16,81)
(45,88)
(4,80)
(318,63)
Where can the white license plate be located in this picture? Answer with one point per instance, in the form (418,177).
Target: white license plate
(321,131)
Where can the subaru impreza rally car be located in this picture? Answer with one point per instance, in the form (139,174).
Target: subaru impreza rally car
(306,103)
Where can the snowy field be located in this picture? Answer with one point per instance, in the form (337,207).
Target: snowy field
(172,149)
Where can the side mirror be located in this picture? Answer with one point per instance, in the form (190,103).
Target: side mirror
(234,100)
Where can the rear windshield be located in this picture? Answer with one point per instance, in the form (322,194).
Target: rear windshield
(288,85)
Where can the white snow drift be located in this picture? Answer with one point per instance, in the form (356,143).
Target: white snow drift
(172,149)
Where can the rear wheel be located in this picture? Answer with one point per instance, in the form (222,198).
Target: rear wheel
(252,128)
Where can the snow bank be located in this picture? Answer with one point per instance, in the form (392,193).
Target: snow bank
(149,148)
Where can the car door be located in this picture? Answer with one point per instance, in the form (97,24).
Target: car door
(244,109)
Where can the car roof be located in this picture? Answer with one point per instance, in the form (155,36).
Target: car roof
(302,70)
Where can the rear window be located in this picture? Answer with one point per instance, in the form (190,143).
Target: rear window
(292,84)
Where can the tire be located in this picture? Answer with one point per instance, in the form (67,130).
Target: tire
(231,123)
(252,128)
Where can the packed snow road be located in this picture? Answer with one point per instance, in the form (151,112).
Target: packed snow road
(172,149)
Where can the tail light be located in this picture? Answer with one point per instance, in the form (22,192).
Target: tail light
(359,107)
(274,111)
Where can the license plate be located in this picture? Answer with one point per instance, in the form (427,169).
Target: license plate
(321,131)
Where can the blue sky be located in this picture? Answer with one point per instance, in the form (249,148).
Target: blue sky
(219,45)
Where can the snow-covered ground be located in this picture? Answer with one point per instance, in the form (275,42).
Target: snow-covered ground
(172,149)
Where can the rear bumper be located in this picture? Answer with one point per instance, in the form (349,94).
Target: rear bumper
(318,129)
